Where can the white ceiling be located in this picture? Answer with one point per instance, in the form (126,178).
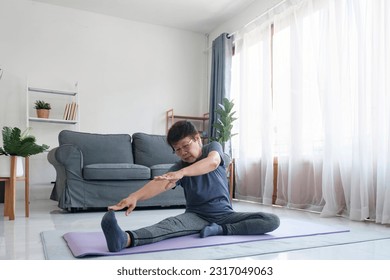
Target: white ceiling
(201,16)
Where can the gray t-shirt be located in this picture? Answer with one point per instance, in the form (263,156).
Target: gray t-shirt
(207,194)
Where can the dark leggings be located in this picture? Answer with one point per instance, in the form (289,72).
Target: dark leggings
(233,223)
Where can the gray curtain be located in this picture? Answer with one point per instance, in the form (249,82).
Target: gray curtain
(221,59)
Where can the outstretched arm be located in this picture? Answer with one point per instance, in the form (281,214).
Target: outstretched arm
(203,166)
(149,190)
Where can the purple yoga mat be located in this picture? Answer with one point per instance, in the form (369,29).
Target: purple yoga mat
(84,244)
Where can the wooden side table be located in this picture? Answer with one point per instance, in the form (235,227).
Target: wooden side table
(10,189)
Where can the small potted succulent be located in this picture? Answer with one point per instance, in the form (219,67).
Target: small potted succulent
(43,109)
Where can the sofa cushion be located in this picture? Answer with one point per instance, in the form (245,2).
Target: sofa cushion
(151,149)
(116,171)
(99,148)
(160,169)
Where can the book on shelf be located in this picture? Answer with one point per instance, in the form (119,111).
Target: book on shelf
(70,112)
(74,112)
(66,112)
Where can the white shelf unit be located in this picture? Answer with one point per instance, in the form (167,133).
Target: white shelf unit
(58,100)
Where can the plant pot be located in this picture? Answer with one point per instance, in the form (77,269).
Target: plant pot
(5,166)
(43,113)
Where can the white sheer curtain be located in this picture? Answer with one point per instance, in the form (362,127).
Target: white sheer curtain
(318,100)
(254,107)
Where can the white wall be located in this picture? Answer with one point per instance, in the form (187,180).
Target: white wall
(129,73)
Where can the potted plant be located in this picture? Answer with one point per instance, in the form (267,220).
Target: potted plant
(43,109)
(16,143)
(224,123)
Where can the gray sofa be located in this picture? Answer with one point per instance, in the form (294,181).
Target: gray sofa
(98,170)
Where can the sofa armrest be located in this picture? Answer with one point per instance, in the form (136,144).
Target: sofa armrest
(70,157)
(67,160)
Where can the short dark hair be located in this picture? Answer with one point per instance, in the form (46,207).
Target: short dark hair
(180,130)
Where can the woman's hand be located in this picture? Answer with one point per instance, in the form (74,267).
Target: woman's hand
(172,177)
(130,202)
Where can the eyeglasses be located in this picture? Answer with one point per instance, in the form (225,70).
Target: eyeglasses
(185,147)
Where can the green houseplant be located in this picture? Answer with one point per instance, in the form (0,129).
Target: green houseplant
(224,123)
(43,109)
(16,143)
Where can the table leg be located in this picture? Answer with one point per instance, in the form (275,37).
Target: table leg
(10,191)
(7,203)
(27,186)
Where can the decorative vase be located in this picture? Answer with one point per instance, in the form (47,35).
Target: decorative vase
(5,166)
(43,113)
